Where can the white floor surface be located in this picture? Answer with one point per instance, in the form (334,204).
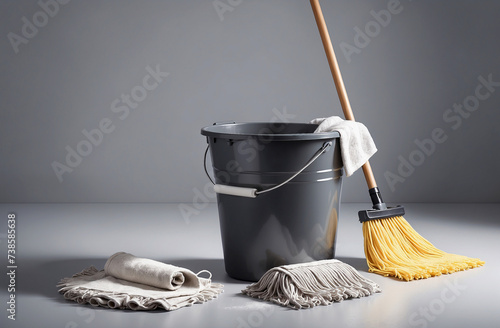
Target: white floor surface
(57,240)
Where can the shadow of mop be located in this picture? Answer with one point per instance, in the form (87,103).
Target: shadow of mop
(356,262)
(216,267)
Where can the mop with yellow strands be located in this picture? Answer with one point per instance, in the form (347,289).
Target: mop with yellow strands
(392,246)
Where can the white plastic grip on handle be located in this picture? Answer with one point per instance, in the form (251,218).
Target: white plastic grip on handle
(235,191)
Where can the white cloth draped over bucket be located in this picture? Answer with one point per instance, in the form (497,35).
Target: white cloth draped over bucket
(356,143)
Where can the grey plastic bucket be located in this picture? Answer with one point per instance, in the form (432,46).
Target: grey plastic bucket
(279,222)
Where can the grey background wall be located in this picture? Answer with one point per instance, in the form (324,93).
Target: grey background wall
(70,66)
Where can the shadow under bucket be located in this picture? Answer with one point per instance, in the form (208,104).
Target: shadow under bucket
(278,193)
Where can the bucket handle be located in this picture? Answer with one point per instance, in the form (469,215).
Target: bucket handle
(253,192)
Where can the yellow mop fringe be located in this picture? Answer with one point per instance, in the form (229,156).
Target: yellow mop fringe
(394,248)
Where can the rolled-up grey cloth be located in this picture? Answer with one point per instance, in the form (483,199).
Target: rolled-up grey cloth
(149,272)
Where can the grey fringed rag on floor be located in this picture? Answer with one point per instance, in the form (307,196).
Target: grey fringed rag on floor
(306,285)
(129,282)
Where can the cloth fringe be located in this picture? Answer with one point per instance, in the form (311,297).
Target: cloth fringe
(311,284)
(394,248)
(126,301)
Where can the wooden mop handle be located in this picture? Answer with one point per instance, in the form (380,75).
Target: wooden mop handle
(337,78)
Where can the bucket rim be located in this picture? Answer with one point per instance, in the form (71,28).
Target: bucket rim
(217,131)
